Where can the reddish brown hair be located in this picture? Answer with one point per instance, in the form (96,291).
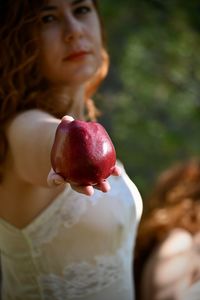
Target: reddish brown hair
(174,203)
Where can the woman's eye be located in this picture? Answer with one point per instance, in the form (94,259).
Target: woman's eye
(82,10)
(49,19)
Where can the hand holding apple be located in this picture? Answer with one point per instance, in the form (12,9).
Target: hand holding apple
(83,153)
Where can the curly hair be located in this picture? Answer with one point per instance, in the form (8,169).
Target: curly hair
(22,85)
(173,203)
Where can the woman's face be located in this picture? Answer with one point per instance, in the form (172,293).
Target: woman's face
(70,41)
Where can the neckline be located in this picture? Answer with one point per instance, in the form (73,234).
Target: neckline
(43,215)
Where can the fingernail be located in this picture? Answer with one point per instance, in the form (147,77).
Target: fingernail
(57,181)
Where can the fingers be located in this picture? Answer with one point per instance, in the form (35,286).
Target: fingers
(87,190)
(67,118)
(116,171)
(54,179)
(103,186)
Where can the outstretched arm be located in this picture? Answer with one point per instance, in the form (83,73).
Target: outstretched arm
(30,136)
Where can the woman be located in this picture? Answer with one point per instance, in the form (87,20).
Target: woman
(58,240)
(168,241)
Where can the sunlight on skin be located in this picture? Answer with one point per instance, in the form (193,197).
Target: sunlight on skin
(55,179)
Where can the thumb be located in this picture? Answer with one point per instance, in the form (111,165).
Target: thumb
(67,119)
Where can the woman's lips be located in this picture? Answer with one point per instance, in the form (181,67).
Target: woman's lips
(76,55)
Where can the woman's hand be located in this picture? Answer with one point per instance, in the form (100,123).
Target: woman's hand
(54,180)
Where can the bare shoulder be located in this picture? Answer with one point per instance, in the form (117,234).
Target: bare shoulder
(172,259)
(30,137)
(29,118)
(170,267)
(178,241)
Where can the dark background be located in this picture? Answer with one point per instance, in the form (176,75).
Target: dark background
(150,99)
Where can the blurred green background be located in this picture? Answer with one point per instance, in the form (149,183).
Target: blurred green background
(150,98)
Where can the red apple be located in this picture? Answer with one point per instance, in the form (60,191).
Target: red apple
(83,152)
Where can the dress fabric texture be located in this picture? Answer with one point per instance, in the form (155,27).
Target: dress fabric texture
(80,247)
(193,292)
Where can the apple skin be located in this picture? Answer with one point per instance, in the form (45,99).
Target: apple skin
(83,152)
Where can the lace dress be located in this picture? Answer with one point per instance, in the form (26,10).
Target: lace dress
(80,247)
(193,293)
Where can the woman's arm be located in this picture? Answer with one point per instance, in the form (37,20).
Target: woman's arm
(30,136)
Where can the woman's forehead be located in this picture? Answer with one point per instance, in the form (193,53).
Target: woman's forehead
(73,2)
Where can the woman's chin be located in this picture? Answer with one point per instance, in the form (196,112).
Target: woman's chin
(81,77)
(73,76)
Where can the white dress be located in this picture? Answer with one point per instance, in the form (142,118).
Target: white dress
(80,247)
(193,292)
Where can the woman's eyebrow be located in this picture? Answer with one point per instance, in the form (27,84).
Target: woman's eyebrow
(77,1)
(48,7)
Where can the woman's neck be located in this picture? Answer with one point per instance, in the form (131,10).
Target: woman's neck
(74,98)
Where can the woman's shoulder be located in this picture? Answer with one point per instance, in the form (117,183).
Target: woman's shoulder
(29,115)
(24,122)
(177,241)
(171,265)
(172,261)
(30,136)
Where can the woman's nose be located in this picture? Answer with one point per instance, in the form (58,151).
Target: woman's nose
(73,29)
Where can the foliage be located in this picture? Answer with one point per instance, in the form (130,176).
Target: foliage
(150,98)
